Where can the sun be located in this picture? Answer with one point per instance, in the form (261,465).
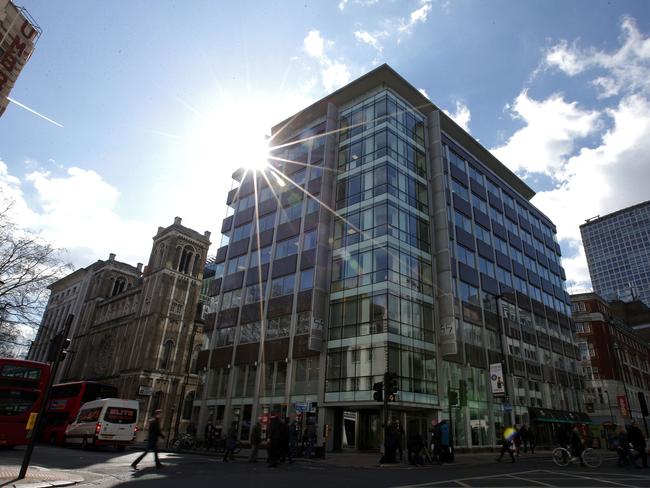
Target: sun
(256,154)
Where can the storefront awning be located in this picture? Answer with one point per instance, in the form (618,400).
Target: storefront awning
(558,416)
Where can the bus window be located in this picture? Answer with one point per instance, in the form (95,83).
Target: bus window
(21,372)
(89,415)
(118,415)
(16,402)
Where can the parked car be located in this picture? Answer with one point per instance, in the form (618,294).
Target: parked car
(105,422)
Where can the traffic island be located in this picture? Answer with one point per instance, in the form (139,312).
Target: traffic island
(37,477)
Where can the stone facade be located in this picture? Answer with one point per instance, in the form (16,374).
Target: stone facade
(138,330)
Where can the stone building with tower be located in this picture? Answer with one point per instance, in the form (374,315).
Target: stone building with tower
(137,329)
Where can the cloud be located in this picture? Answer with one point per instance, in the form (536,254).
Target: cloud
(627,69)
(343,3)
(424,92)
(334,73)
(314,44)
(76,211)
(551,132)
(461,116)
(371,39)
(417,16)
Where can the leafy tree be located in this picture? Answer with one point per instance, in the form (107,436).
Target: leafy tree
(28,265)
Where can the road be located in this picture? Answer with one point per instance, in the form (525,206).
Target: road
(111,469)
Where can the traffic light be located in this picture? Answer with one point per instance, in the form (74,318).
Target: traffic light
(462,393)
(378,395)
(453,398)
(58,347)
(392,386)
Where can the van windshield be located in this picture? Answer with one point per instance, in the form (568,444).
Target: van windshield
(118,415)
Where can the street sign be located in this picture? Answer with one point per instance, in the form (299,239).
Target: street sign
(145,390)
(623,406)
(507,407)
(32,421)
(302,407)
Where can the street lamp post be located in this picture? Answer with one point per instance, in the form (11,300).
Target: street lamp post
(617,356)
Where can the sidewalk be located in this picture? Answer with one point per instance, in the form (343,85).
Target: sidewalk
(37,477)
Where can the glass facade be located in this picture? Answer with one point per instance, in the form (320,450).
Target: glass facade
(617,247)
(331,278)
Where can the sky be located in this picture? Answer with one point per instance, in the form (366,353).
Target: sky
(159,101)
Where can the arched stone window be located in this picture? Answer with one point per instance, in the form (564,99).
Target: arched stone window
(118,286)
(185,264)
(165,360)
(187,406)
(156,401)
(195,360)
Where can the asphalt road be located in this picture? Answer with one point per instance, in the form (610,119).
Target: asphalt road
(111,469)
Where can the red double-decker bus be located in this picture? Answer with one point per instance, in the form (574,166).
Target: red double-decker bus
(65,401)
(22,388)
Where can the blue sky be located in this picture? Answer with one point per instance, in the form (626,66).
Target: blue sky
(158,100)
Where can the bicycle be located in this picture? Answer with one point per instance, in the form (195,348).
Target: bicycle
(563,457)
(184,442)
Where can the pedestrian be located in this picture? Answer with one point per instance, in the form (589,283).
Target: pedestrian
(283,447)
(445,452)
(152,442)
(624,452)
(637,439)
(508,445)
(231,443)
(532,439)
(209,434)
(435,442)
(523,435)
(256,439)
(273,442)
(293,439)
(414,447)
(399,438)
(577,444)
(311,439)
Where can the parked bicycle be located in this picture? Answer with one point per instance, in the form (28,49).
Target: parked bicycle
(184,442)
(563,457)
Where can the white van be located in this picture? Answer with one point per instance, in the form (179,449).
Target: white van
(105,422)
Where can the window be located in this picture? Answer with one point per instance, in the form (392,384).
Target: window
(283,286)
(250,333)
(504,276)
(291,212)
(225,337)
(312,204)
(469,294)
(266,222)
(486,267)
(309,240)
(456,160)
(475,175)
(298,177)
(261,256)
(304,322)
(496,215)
(517,256)
(285,248)
(236,264)
(307,279)
(241,232)
(479,203)
(508,200)
(462,221)
(521,285)
(584,350)
(460,190)
(231,299)
(492,188)
(254,293)
(278,327)
(465,255)
(483,234)
(166,355)
(501,245)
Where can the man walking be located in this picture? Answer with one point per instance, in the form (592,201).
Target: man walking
(152,442)
(256,438)
(231,443)
(637,439)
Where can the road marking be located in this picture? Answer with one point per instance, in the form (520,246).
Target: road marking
(529,480)
(600,480)
(461,480)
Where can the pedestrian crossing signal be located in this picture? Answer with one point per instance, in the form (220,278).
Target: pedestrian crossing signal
(378,395)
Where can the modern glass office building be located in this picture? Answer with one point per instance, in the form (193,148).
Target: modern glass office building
(384,238)
(617,246)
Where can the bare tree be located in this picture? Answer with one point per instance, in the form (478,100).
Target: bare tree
(28,265)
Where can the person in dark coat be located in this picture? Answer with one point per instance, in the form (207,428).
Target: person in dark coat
(576,444)
(152,442)
(231,443)
(508,445)
(523,435)
(624,451)
(256,439)
(532,439)
(274,442)
(445,438)
(414,447)
(435,441)
(637,439)
(399,437)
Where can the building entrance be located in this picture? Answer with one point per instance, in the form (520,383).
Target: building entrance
(369,430)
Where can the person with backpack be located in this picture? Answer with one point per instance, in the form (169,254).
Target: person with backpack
(231,443)
(256,439)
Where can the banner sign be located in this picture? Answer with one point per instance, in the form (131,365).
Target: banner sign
(496,379)
(623,406)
